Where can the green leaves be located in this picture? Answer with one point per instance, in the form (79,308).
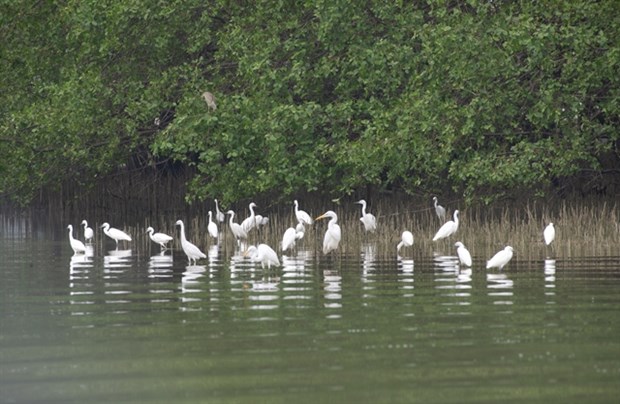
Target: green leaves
(482,98)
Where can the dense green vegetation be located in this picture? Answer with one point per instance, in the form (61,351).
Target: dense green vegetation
(485,98)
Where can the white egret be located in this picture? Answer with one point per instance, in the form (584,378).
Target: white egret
(212,226)
(115,234)
(463,253)
(159,238)
(291,235)
(263,254)
(300,230)
(88,232)
(302,216)
(261,220)
(236,228)
(333,233)
(289,238)
(369,220)
(501,258)
(549,234)
(406,240)
(249,222)
(192,252)
(219,215)
(439,210)
(449,228)
(77,246)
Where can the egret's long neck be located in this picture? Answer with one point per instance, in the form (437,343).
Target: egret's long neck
(230,221)
(363,208)
(183,232)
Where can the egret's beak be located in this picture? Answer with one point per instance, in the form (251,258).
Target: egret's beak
(321,217)
(245,253)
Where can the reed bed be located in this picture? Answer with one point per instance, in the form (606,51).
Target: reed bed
(588,228)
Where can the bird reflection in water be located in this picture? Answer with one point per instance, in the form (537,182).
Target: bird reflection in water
(160,265)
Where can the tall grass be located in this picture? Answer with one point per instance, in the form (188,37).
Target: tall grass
(583,227)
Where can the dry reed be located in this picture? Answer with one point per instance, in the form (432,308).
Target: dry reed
(586,228)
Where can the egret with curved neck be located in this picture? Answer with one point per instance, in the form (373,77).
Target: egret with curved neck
(333,234)
(193,253)
(77,246)
(115,234)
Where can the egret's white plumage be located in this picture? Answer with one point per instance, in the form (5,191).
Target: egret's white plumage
(88,232)
(333,233)
(263,254)
(289,238)
(212,226)
(236,228)
(549,234)
(261,220)
(300,231)
(249,222)
(77,246)
(115,234)
(159,238)
(500,259)
(369,220)
(193,253)
(463,253)
(302,216)
(449,228)
(406,240)
(219,215)
(439,210)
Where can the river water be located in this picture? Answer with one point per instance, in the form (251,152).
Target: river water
(116,325)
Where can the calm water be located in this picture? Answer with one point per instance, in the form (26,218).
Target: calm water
(121,326)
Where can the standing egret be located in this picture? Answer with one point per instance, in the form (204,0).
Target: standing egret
(549,234)
(159,238)
(449,228)
(369,220)
(77,246)
(439,210)
(291,235)
(501,258)
(115,234)
(212,226)
(332,234)
(236,228)
(261,221)
(249,222)
(192,252)
(406,240)
(463,253)
(263,254)
(288,239)
(300,231)
(88,232)
(302,216)
(219,215)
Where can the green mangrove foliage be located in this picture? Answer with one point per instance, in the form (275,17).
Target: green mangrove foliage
(485,98)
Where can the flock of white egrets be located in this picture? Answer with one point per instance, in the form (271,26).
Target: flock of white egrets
(267,256)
